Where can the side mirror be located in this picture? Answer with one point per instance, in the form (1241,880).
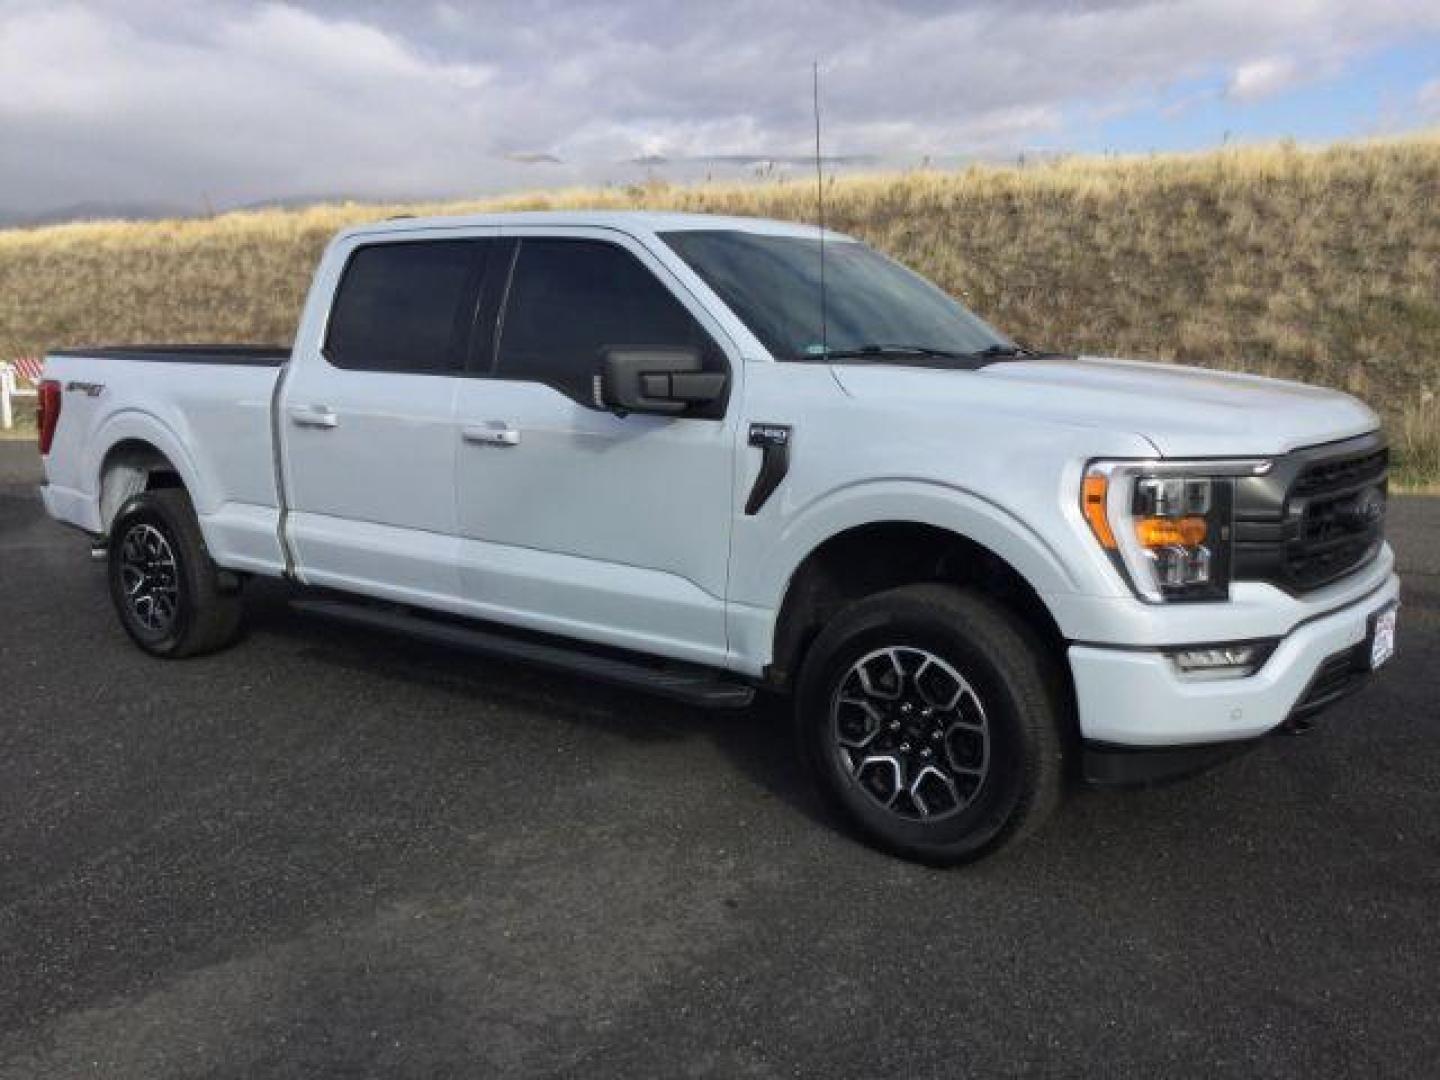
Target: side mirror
(656,379)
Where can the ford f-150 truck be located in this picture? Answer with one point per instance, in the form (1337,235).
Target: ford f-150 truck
(657,450)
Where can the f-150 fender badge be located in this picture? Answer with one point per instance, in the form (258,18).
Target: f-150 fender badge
(774,443)
(89,389)
(769,434)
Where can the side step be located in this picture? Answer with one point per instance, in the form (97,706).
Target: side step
(689,683)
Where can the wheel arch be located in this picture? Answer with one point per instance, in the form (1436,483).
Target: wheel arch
(140,455)
(870,557)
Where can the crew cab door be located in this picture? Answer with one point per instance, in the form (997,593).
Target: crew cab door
(367,418)
(575,520)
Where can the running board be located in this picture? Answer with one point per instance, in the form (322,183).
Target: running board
(691,684)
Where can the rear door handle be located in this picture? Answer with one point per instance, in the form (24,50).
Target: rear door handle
(495,433)
(321,416)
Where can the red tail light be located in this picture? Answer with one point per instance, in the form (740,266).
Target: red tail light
(47,413)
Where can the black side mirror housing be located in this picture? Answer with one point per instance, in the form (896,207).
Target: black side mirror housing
(663,380)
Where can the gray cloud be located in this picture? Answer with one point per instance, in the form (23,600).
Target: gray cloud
(231,102)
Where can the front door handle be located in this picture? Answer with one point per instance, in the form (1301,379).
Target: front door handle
(495,433)
(320,416)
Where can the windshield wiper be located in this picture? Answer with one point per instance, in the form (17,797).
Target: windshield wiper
(1001,350)
(882,352)
(928,352)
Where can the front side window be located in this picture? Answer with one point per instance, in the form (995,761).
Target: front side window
(772,284)
(570,300)
(406,306)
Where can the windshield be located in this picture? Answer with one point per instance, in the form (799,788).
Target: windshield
(874,307)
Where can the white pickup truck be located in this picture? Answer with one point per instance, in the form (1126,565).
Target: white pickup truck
(652,449)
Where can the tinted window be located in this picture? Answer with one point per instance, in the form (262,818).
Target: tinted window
(405,306)
(571,299)
(772,283)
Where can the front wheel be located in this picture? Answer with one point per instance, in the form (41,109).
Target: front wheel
(172,599)
(929,717)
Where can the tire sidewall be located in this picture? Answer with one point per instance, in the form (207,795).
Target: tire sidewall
(143,511)
(991,816)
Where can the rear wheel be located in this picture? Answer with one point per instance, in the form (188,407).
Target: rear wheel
(172,599)
(929,718)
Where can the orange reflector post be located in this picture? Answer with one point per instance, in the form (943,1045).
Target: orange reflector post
(1092,503)
(1167,532)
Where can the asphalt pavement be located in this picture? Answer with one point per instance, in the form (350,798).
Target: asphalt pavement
(331,852)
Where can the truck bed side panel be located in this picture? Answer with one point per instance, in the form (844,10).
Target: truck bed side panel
(208,417)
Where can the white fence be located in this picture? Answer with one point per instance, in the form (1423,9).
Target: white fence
(11,376)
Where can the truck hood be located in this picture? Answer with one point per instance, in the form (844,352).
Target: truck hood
(1182,411)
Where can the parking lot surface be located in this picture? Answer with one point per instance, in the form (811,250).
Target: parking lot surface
(334,852)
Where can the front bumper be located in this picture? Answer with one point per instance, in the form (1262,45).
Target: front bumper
(1135,697)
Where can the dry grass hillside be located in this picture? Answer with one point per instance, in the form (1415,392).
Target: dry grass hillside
(1321,265)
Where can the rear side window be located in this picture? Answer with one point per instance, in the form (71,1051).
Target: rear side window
(406,306)
(570,300)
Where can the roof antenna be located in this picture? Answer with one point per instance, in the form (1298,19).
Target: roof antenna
(820,206)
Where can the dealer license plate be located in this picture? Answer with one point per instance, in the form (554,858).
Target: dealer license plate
(1382,637)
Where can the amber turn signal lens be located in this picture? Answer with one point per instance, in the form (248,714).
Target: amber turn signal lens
(1167,532)
(1092,502)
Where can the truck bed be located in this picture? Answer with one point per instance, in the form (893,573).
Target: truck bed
(204,408)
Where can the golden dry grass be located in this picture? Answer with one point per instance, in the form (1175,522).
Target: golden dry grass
(1321,265)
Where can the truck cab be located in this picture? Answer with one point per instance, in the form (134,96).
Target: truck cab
(705,456)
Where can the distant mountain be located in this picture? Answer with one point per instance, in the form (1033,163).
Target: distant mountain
(96,210)
(102,210)
(300,202)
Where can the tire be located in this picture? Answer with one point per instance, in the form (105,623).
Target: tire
(157,553)
(989,685)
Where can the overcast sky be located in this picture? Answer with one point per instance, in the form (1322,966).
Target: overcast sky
(222,103)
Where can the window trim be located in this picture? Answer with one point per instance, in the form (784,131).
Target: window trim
(663,276)
(460,346)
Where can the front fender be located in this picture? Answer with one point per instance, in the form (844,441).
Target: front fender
(759,585)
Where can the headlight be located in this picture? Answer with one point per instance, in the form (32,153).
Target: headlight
(1166,525)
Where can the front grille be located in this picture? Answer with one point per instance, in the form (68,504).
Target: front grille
(1332,474)
(1315,517)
